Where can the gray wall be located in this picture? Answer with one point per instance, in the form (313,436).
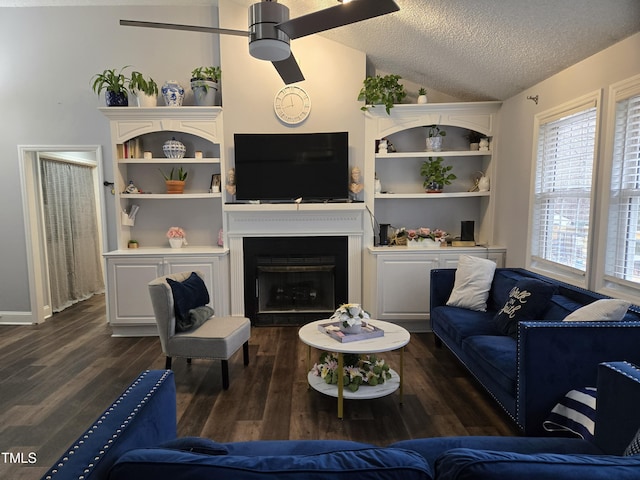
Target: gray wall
(48,56)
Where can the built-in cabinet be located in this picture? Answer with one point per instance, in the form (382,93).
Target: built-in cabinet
(128,302)
(403,279)
(399,286)
(137,139)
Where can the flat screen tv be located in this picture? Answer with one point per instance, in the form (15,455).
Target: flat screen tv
(286,166)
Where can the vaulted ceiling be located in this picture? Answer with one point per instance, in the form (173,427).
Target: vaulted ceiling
(482,49)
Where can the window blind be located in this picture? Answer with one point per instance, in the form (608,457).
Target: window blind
(623,248)
(562,189)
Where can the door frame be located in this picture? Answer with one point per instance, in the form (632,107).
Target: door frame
(29,156)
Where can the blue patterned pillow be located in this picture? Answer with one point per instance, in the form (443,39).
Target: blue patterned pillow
(634,446)
(527,300)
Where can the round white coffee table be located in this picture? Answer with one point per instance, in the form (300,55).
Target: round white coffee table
(395,337)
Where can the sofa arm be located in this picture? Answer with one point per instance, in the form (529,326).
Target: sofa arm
(143,416)
(617,413)
(555,357)
(441,285)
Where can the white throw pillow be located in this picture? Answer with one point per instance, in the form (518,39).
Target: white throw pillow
(600,310)
(472,283)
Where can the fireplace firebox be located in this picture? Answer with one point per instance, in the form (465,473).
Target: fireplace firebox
(293,280)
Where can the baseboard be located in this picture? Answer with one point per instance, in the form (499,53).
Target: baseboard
(16,318)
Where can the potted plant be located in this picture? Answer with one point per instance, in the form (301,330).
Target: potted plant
(204,83)
(175,185)
(379,90)
(434,138)
(145,90)
(436,175)
(422,95)
(114,84)
(474,139)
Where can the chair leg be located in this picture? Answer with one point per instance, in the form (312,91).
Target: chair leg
(167,363)
(245,353)
(225,374)
(189,360)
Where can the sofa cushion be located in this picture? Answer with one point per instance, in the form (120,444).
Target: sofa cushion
(433,447)
(607,309)
(465,463)
(496,356)
(371,463)
(187,295)
(575,413)
(526,301)
(503,281)
(460,323)
(472,283)
(559,307)
(196,445)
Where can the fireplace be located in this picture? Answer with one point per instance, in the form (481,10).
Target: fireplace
(294,280)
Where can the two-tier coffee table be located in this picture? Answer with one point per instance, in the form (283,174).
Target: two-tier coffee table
(394,338)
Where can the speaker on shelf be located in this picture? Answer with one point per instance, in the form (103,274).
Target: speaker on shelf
(466,231)
(384,234)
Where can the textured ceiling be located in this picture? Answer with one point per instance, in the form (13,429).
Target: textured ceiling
(469,49)
(483,49)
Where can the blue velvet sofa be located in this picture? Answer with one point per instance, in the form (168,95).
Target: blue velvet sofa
(529,372)
(135,438)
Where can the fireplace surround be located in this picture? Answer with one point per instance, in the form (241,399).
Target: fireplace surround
(293,280)
(303,221)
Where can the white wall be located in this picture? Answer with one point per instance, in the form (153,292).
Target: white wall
(515,148)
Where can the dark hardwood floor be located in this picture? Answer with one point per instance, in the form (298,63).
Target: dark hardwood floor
(57,377)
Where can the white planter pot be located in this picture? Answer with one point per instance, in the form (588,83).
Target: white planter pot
(176,242)
(422,99)
(204,92)
(144,100)
(423,243)
(434,144)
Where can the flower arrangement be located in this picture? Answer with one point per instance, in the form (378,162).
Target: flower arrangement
(350,314)
(358,370)
(402,235)
(177,237)
(176,232)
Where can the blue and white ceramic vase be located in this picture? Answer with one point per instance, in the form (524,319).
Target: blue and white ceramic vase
(116,99)
(173,93)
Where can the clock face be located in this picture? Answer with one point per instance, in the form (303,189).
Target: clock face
(292,105)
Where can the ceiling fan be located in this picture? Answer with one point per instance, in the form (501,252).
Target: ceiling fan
(270,29)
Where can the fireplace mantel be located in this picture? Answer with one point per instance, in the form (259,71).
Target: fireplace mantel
(305,219)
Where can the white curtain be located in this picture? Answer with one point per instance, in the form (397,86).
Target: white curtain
(73,250)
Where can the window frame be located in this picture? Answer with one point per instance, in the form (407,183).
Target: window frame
(547,267)
(603,283)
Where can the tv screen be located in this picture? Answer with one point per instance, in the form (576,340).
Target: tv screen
(286,166)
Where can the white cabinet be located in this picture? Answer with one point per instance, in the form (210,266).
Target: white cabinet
(129,307)
(403,278)
(137,139)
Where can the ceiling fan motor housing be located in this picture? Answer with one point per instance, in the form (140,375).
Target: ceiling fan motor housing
(267,42)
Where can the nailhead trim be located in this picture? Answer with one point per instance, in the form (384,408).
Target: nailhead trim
(119,431)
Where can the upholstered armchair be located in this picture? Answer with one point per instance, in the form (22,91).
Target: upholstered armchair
(180,303)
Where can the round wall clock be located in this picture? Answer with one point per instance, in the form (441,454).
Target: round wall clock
(292,104)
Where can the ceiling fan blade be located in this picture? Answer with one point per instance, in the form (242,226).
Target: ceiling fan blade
(337,16)
(190,28)
(289,70)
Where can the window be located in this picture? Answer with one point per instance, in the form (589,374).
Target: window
(562,199)
(622,260)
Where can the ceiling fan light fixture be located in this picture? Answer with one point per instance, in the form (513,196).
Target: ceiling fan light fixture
(266,41)
(269,49)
